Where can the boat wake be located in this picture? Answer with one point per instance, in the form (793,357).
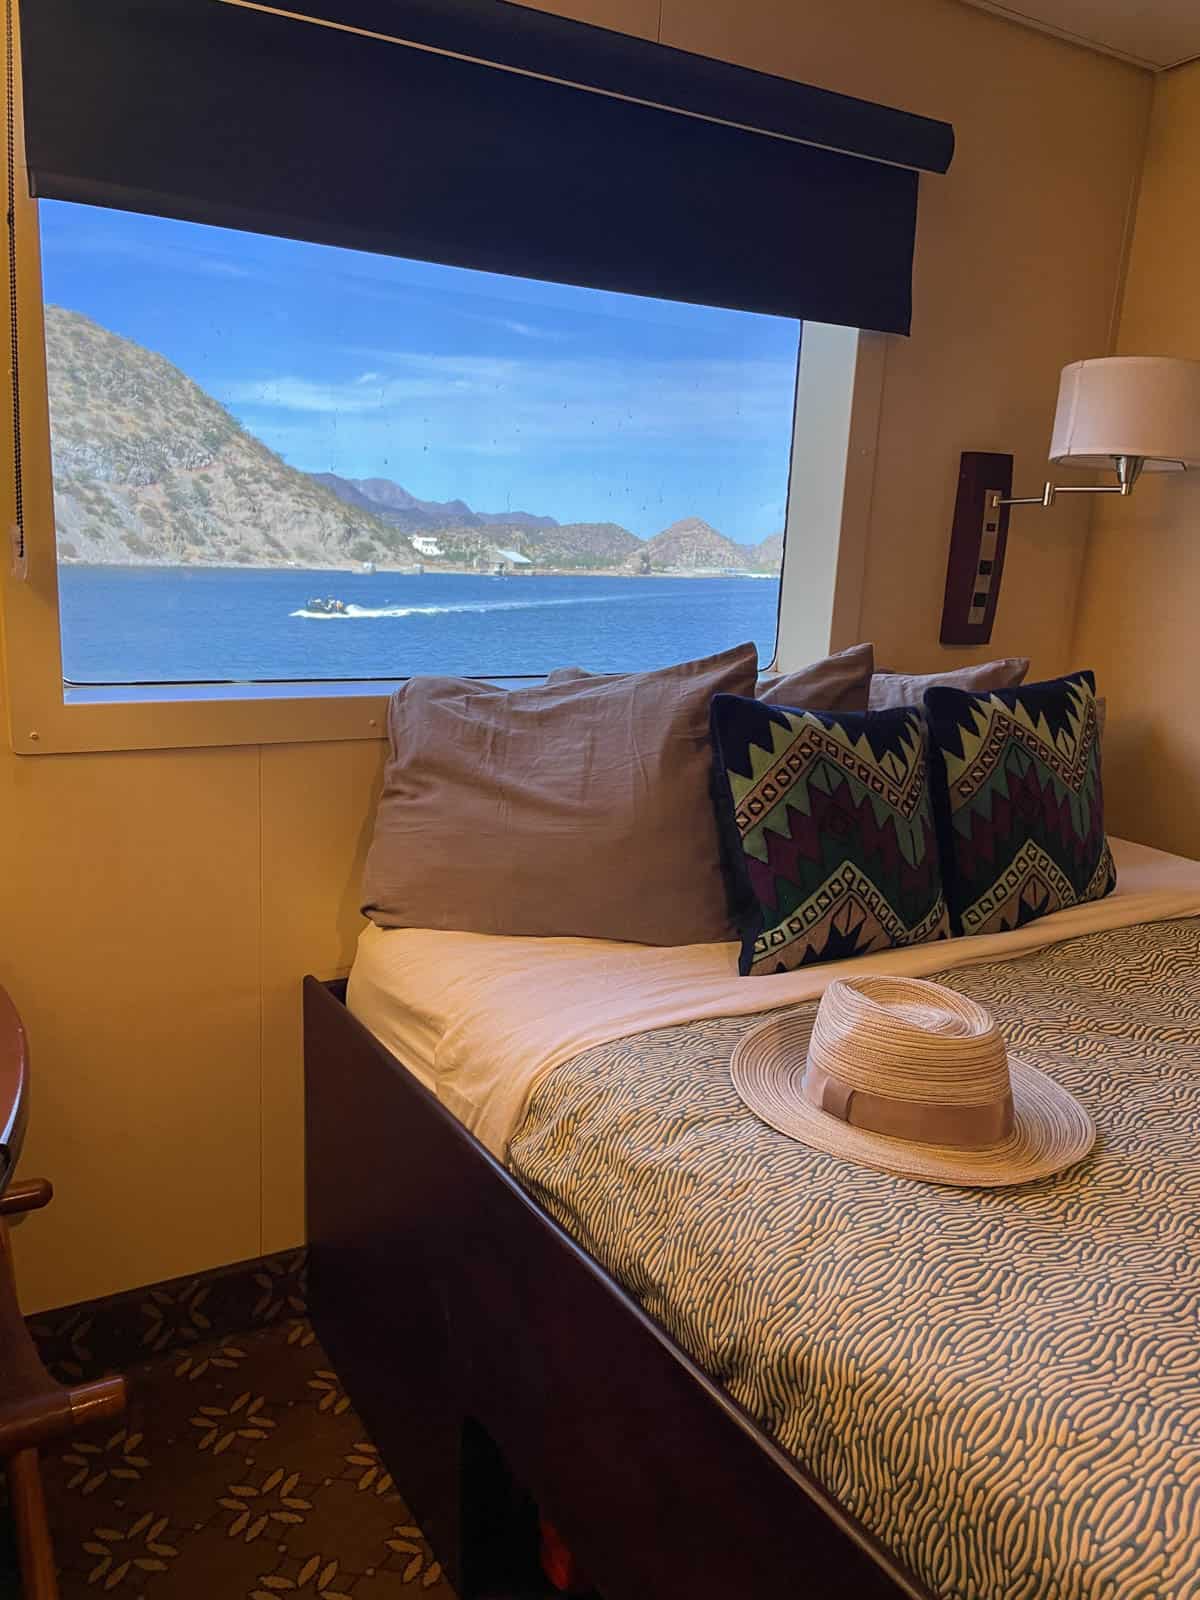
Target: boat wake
(354,613)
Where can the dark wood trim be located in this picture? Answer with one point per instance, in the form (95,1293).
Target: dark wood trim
(963,620)
(453,1307)
(121,1331)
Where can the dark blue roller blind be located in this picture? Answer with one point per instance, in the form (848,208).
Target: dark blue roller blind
(482,134)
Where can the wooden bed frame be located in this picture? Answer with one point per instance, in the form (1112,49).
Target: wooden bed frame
(496,1365)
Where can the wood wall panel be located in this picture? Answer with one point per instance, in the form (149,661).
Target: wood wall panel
(317,801)
(1140,598)
(130,945)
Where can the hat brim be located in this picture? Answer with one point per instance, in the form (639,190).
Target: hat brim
(1052,1131)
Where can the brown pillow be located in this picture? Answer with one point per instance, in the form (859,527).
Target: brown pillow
(580,675)
(892,689)
(577,808)
(839,682)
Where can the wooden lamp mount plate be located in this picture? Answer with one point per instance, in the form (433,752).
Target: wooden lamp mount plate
(978,540)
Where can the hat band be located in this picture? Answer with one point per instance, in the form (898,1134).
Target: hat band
(920,1121)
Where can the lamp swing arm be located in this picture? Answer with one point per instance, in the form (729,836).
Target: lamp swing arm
(1130,411)
(1127,468)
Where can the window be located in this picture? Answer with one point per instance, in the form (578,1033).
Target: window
(278,461)
(283,473)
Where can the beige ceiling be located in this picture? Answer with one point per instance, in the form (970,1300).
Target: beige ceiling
(1154,33)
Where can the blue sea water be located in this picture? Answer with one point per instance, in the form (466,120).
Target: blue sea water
(178,624)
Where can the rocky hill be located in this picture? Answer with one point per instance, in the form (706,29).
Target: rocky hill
(580,544)
(692,544)
(149,468)
(768,553)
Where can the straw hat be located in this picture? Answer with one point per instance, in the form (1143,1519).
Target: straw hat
(912,1078)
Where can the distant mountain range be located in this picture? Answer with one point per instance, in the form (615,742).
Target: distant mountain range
(688,545)
(149,469)
(395,505)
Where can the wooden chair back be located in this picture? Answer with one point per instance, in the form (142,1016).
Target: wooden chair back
(34,1409)
(14,1086)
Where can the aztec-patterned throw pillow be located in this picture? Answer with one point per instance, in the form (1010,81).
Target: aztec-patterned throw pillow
(828,832)
(1018,801)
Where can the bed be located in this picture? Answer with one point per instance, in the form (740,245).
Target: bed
(719,1360)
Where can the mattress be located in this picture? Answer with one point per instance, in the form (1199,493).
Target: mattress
(482,1021)
(1002,1385)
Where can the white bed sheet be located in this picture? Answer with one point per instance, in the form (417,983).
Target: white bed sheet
(481,1019)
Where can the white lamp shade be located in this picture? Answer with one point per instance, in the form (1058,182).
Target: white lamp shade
(1145,406)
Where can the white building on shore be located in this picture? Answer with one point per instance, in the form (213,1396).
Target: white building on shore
(504,561)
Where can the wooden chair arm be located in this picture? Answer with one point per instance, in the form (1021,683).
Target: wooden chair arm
(50,1412)
(28,1196)
(34,1408)
(90,1402)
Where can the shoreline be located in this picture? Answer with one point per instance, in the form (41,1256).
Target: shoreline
(354,570)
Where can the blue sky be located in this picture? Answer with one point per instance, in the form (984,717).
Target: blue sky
(509,394)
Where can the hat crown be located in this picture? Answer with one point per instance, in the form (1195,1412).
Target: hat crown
(913,1079)
(909,1039)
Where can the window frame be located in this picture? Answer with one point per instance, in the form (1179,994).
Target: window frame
(830,485)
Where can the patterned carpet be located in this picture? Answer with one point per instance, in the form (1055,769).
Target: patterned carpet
(240,1472)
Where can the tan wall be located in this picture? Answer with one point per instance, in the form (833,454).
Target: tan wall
(159,909)
(1139,611)
(158,912)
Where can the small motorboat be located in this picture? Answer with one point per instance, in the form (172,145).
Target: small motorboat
(327,608)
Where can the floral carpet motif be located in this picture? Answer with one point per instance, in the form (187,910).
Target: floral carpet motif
(240,1470)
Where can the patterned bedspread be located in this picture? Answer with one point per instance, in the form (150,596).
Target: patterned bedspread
(1003,1385)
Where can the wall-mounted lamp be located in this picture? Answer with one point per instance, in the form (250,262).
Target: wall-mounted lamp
(1122,414)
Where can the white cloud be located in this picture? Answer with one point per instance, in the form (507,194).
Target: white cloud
(99,242)
(494,405)
(526,330)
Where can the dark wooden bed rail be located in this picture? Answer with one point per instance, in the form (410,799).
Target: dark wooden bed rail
(457,1311)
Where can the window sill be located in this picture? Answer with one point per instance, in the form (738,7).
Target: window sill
(78,694)
(143,720)
(192,716)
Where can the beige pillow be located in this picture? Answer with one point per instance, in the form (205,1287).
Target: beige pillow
(578,808)
(839,682)
(581,675)
(892,689)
